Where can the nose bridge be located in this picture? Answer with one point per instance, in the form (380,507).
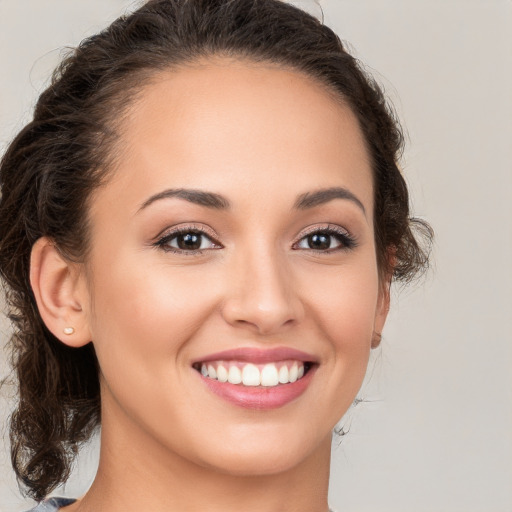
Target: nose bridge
(261,291)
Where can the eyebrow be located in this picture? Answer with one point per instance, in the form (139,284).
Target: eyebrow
(200,197)
(318,197)
(219,202)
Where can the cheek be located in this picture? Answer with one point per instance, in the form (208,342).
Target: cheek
(143,318)
(149,311)
(342,305)
(346,301)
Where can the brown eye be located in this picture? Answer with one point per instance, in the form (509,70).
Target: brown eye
(327,240)
(319,241)
(187,241)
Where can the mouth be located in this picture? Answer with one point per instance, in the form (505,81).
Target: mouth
(252,375)
(257,379)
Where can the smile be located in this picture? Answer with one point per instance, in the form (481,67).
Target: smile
(248,374)
(257,378)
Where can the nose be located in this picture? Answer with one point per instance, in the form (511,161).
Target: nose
(261,293)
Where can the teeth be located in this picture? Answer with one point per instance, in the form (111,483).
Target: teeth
(269,375)
(294,373)
(222,373)
(248,374)
(211,372)
(234,375)
(283,375)
(251,375)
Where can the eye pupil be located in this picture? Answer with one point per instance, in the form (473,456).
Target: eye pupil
(319,241)
(189,241)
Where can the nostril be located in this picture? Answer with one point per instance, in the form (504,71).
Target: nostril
(266,305)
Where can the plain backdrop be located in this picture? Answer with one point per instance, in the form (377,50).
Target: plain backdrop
(434,433)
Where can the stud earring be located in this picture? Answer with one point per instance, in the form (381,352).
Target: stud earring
(69,330)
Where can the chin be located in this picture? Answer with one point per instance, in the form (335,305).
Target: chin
(264,455)
(258,464)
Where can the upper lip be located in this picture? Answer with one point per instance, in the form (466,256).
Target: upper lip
(258,355)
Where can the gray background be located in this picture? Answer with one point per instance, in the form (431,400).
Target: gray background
(435,433)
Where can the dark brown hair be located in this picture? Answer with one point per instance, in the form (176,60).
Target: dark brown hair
(50,169)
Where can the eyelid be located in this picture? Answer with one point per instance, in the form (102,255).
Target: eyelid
(325,227)
(179,228)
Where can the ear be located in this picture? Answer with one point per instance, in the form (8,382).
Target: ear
(60,292)
(381,313)
(383,301)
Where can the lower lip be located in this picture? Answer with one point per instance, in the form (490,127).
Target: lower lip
(259,397)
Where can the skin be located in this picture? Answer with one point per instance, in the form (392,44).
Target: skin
(261,136)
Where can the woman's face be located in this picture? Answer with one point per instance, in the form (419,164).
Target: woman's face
(236,238)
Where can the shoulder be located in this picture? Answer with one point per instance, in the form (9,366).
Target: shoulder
(52,505)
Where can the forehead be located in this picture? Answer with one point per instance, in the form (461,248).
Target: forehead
(238,126)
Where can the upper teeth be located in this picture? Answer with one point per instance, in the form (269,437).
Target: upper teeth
(248,374)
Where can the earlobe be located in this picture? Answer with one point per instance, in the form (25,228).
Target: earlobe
(60,293)
(376,338)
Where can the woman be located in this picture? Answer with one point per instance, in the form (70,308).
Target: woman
(198,232)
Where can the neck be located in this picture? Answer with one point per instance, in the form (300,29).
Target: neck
(137,473)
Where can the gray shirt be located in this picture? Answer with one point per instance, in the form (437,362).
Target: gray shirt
(52,505)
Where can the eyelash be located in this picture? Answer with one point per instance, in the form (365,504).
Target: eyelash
(346,241)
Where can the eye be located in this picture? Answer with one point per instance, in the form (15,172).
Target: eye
(329,239)
(187,241)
